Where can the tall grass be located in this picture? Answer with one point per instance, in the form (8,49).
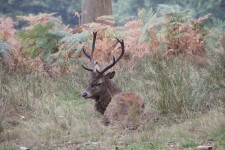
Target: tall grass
(172,85)
(48,113)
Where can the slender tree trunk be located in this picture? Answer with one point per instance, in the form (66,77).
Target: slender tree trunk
(92,9)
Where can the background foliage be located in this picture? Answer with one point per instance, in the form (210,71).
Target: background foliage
(66,8)
(121,9)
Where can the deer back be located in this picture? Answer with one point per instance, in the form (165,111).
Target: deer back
(125,108)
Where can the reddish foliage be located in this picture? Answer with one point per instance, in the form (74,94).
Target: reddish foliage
(106,45)
(7,34)
(189,40)
(182,38)
(6,29)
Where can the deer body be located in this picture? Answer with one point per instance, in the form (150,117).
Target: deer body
(110,101)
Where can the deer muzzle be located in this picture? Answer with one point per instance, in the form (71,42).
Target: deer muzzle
(86,94)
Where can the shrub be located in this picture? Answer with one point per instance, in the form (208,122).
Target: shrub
(50,43)
(175,28)
(9,45)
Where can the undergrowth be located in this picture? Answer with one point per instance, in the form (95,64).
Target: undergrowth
(173,60)
(50,113)
(49,39)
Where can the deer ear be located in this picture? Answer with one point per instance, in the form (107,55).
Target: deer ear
(110,75)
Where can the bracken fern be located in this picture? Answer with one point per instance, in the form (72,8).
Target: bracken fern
(4,47)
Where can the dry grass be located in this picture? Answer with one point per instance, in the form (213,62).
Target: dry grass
(50,114)
(68,126)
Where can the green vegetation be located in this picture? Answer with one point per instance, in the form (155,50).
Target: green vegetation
(174,61)
(55,116)
(4,50)
(122,9)
(129,8)
(42,39)
(51,39)
(66,8)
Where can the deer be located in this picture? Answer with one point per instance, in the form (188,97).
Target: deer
(115,105)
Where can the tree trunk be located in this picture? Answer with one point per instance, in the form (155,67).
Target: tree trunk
(92,9)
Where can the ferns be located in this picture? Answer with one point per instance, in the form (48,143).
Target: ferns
(51,40)
(72,46)
(173,27)
(39,41)
(164,17)
(4,47)
(175,13)
(147,19)
(8,43)
(215,30)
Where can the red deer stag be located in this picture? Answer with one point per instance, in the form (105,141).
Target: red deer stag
(110,101)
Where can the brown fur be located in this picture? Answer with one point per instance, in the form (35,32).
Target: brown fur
(103,100)
(125,108)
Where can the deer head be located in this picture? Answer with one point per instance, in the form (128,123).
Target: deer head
(100,82)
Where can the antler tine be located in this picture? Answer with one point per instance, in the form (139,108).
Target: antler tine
(88,69)
(93,48)
(88,56)
(91,56)
(114,59)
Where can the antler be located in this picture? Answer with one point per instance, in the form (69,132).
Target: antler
(114,59)
(92,59)
(92,53)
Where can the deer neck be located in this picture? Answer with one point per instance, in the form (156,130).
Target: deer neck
(112,89)
(103,101)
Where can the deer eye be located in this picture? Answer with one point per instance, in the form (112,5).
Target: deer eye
(98,84)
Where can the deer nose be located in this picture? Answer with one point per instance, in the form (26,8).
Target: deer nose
(84,94)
